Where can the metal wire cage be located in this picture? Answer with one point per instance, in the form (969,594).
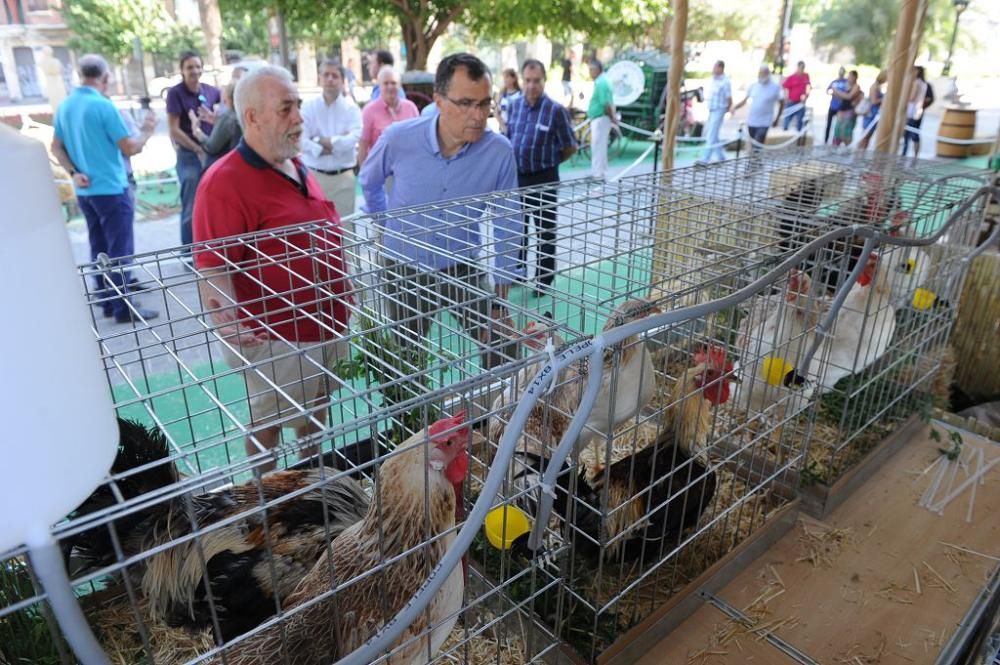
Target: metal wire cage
(191,550)
(652,505)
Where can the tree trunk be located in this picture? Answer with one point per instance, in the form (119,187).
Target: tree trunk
(211,23)
(420,38)
(895,94)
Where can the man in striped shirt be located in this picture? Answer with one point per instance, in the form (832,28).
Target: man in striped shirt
(720,101)
(540,132)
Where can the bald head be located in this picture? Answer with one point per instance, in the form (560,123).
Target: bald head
(387,73)
(267,106)
(252,86)
(388,85)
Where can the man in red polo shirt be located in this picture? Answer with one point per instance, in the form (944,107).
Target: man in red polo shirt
(280,299)
(797,86)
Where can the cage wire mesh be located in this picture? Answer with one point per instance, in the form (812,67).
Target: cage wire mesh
(192,553)
(652,503)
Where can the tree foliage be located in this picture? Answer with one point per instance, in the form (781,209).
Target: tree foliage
(109,27)
(423,22)
(868,27)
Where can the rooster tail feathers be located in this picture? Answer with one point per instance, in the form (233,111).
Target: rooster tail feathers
(139,445)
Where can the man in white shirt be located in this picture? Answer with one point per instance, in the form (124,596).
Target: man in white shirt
(720,100)
(330,134)
(762,95)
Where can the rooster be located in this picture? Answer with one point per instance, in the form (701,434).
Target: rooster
(664,487)
(248,561)
(628,383)
(415,476)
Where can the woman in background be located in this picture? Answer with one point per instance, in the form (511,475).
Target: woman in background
(915,105)
(843,128)
(511,91)
(875,96)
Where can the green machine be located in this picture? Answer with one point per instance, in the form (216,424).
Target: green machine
(639,82)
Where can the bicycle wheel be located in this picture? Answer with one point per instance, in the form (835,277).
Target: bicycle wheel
(583,141)
(616,143)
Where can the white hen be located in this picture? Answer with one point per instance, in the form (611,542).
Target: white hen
(771,340)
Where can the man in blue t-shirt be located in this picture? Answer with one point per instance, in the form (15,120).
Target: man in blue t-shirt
(91,143)
(839,84)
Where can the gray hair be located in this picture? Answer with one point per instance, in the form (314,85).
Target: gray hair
(93,66)
(246,96)
(386,69)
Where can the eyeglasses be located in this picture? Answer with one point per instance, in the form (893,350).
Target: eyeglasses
(468,104)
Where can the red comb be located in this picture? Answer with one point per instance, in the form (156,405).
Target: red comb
(866,275)
(445,424)
(713,356)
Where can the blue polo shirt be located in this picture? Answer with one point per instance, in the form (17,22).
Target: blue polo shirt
(90,127)
(438,237)
(538,133)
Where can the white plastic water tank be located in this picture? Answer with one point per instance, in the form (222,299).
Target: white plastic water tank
(59,433)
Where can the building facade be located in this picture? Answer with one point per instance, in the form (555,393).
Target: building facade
(35,61)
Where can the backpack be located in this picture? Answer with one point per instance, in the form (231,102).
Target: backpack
(928,96)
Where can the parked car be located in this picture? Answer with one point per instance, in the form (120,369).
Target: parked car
(219,77)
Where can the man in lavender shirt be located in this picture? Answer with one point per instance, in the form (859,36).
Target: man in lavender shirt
(432,257)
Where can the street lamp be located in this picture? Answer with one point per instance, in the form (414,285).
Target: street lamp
(960,6)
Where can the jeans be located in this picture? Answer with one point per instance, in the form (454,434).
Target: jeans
(830,116)
(712,129)
(189,170)
(109,229)
(539,206)
(912,135)
(799,115)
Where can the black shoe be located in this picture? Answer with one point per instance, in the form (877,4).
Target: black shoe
(130,316)
(135,286)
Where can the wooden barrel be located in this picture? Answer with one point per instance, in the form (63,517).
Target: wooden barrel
(956,124)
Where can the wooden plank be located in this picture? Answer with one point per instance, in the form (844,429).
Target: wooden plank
(819,500)
(850,581)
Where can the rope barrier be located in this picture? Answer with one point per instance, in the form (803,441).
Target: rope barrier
(638,130)
(867,132)
(140,183)
(779,146)
(946,139)
(581,125)
(792,109)
(631,166)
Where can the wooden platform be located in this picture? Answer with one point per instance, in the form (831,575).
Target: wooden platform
(845,590)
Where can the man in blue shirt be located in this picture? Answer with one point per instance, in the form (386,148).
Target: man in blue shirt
(432,256)
(91,142)
(539,130)
(839,84)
